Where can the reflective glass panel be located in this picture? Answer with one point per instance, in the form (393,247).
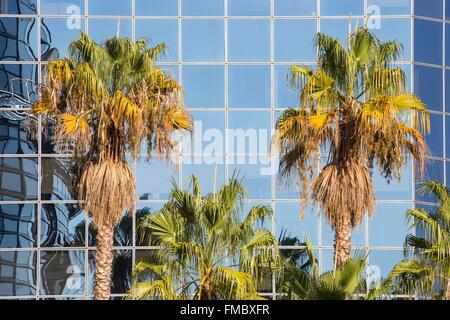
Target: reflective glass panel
(62,225)
(396,30)
(143,210)
(295,8)
(19,79)
(249,40)
(110,8)
(384,260)
(19,179)
(434,171)
(428,86)
(341,8)
(428,8)
(339,28)
(203,40)
(62,272)
(13,138)
(158,31)
(428,41)
(435,138)
(18,39)
(18,7)
(104,29)
(56,36)
(153,179)
(249,132)
(284,95)
(209,170)
(288,223)
(249,7)
(387,227)
(202,7)
(58,7)
(57,176)
(393,189)
(18,225)
(156,7)
(389,7)
(256,174)
(204,86)
(17,273)
(249,86)
(294,40)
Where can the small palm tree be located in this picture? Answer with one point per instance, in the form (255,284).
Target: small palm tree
(354,106)
(302,281)
(428,273)
(104,101)
(207,252)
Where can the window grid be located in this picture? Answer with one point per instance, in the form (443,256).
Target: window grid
(180,63)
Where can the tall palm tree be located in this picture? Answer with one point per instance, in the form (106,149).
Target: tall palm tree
(428,272)
(207,251)
(105,101)
(356,108)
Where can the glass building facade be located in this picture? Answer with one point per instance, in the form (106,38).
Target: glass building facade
(232,57)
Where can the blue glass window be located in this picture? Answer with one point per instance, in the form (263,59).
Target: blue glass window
(203,40)
(284,96)
(296,8)
(398,30)
(158,31)
(19,179)
(389,7)
(256,174)
(18,225)
(62,225)
(428,8)
(147,172)
(10,75)
(207,169)
(249,86)
(249,132)
(387,227)
(447,138)
(58,7)
(447,90)
(249,40)
(435,137)
(249,8)
(288,222)
(294,40)
(110,8)
(156,8)
(428,86)
(18,39)
(393,190)
(56,36)
(384,260)
(209,134)
(434,171)
(428,41)
(101,30)
(18,7)
(204,86)
(14,137)
(18,270)
(202,7)
(341,8)
(56,183)
(170,70)
(447,44)
(62,272)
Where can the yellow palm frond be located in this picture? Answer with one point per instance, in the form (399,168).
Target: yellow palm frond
(74,125)
(124,108)
(318,121)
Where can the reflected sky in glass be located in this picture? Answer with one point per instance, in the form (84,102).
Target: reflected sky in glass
(203,40)
(202,7)
(295,8)
(428,41)
(204,86)
(249,86)
(160,31)
(341,8)
(294,40)
(249,7)
(249,40)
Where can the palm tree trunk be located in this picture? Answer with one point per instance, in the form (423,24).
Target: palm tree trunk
(342,241)
(103,262)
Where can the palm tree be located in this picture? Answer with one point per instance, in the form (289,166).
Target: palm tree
(105,101)
(355,107)
(428,272)
(301,279)
(207,251)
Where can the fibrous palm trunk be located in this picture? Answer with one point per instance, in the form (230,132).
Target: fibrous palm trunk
(342,241)
(104,259)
